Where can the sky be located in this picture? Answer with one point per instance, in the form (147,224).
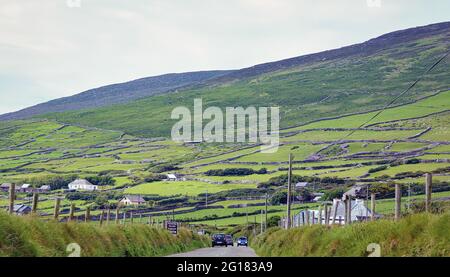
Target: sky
(55,48)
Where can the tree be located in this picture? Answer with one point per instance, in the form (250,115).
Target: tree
(273,221)
(278,198)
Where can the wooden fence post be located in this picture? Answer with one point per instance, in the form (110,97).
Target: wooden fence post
(398,199)
(131,217)
(56,210)
(349,213)
(12,197)
(428,188)
(101,218)
(329,213)
(345,209)
(35,203)
(319,216)
(335,211)
(87,215)
(117,215)
(327,219)
(108,215)
(71,212)
(372,206)
(307,217)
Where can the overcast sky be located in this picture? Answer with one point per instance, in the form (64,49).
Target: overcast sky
(55,48)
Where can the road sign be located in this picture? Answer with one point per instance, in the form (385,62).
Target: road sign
(172,227)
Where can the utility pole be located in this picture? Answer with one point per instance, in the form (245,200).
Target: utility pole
(12,197)
(367,203)
(428,184)
(398,197)
(262,227)
(246,212)
(372,206)
(409,197)
(288,215)
(265,213)
(56,210)
(35,203)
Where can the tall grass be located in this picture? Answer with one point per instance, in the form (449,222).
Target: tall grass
(414,235)
(28,236)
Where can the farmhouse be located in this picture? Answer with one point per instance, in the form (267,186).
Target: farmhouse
(82,184)
(301,185)
(5,186)
(171,177)
(26,188)
(132,200)
(359,212)
(44,188)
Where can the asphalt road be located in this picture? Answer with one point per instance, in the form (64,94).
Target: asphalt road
(219,251)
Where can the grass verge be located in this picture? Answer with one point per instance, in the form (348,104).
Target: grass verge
(30,237)
(415,235)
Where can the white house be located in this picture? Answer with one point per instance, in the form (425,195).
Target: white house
(359,212)
(171,177)
(82,184)
(301,185)
(44,188)
(5,186)
(132,200)
(26,188)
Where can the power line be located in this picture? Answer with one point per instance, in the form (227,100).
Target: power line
(399,96)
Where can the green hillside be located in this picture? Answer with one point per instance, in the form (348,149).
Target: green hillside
(353,82)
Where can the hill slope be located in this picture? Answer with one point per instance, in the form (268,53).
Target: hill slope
(117,93)
(352,79)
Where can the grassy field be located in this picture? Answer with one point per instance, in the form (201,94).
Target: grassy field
(189,188)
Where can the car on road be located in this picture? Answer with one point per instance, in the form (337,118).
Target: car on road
(219,240)
(242,241)
(229,240)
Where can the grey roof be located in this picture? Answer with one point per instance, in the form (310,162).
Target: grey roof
(135,198)
(301,184)
(171,176)
(358,209)
(20,208)
(81,182)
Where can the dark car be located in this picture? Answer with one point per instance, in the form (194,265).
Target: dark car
(242,241)
(229,240)
(218,240)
